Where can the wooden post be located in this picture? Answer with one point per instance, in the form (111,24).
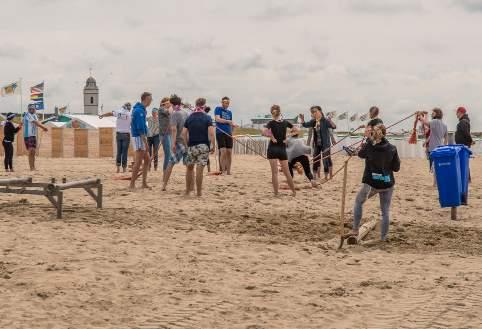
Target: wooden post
(60,201)
(81,143)
(106,141)
(453,213)
(343,201)
(362,233)
(57,142)
(99,195)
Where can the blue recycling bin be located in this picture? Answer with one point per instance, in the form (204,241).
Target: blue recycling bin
(464,157)
(446,162)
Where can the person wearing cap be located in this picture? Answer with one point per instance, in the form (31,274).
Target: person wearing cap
(153,137)
(122,135)
(30,125)
(462,134)
(9,131)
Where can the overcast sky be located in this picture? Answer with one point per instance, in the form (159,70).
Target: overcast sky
(346,55)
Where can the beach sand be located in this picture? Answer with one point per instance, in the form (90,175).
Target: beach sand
(237,257)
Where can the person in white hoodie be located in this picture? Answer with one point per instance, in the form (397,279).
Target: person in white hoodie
(297,152)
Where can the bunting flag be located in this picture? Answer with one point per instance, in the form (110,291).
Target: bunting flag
(343,116)
(331,114)
(11,89)
(354,117)
(37,96)
(364,117)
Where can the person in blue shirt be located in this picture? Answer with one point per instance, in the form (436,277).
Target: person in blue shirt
(30,124)
(139,140)
(224,134)
(198,135)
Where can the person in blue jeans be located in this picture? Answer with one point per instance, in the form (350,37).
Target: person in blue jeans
(153,137)
(381,161)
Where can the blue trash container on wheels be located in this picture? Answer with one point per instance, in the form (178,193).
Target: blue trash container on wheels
(446,160)
(464,156)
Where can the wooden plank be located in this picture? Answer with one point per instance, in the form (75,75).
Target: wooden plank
(68,142)
(81,143)
(79,184)
(94,147)
(343,202)
(106,141)
(18,180)
(57,142)
(363,232)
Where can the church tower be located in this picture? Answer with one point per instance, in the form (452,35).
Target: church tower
(91,97)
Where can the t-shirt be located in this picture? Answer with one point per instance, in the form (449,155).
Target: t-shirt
(198,124)
(164,120)
(374,122)
(29,128)
(123,122)
(178,118)
(152,126)
(225,114)
(278,129)
(438,133)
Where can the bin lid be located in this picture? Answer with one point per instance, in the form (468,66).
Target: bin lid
(445,151)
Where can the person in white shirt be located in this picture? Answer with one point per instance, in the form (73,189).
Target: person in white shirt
(123,135)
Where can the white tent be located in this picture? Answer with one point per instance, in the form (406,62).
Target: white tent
(92,121)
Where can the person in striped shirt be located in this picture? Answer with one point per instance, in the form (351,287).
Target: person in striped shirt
(30,125)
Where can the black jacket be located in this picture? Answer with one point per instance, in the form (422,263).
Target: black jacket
(9,132)
(381,160)
(324,132)
(462,135)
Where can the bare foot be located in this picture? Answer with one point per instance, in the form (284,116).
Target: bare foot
(124,169)
(293,194)
(145,186)
(118,169)
(132,188)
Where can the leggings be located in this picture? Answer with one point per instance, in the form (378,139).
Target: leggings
(305,162)
(8,146)
(318,155)
(153,147)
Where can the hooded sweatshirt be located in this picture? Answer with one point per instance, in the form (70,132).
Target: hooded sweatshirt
(296,147)
(462,135)
(138,122)
(381,160)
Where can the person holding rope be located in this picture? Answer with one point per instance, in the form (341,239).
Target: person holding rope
(276,130)
(9,132)
(381,161)
(30,125)
(164,115)
(297,153)
(178,148)
(198,135)
(139,140)
(437,134)
(321,141)
(224,134)
(122,133)
(153,137)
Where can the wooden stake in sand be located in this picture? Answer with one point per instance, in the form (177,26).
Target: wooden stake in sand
(362,233)
(343,201)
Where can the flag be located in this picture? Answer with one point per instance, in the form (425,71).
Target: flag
(331,114)
(343,116)
(354,117)
(37,96)
(11,89)
(364,117)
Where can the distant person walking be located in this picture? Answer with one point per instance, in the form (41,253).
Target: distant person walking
(277,130)
(321,141)
(9,131)
(224,134)
(139,140)
(462,134)
(178,147)
(165,111)
(198,134)
(31,124)
(381,161)
(122,133)
(153,137)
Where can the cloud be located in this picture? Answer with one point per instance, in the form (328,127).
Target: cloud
(248,62)
(384,6)
(275,11)
(112,49)
(12,52)
(469,5)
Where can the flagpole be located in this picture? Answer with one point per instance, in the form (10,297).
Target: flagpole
(21,95)
(43,112)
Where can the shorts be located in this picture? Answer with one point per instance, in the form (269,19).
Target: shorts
(180,154)
(138,144)
(277,152)
(197,155)
(30,142)
(224,141)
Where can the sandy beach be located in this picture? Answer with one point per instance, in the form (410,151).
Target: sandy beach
(237,257)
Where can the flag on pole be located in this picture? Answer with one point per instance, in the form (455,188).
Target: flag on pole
(331,114)
(37,96)
(364,117)
(10,89)
(343,116)
(354,117)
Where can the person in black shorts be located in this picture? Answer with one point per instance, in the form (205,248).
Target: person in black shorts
(276,130)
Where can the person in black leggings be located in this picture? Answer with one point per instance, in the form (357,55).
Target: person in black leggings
(9,132)
(297,153)
(276,130)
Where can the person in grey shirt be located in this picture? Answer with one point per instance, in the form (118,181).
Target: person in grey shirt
(297,153)
(438,132)
(178,148)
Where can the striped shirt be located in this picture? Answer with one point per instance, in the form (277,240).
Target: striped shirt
(29,128)
(152,126)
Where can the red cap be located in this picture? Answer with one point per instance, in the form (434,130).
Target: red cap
(461,110)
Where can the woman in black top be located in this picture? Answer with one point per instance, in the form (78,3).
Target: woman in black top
(276,130)
(9,132)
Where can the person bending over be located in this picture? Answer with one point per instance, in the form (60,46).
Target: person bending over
(297,152)
(381,161)
(276,130)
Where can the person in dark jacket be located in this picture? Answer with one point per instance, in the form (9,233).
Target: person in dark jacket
(381,161)
(9,131)
(462,134)
(321,140)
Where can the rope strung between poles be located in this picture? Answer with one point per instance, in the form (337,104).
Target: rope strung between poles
(245,145)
